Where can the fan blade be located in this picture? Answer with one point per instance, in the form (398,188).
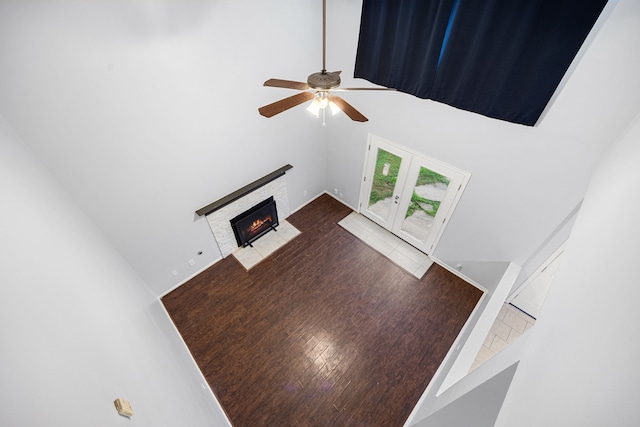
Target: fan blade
(284,104)
(348,109)
(287,84)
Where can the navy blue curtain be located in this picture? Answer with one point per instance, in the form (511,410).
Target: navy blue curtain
(400,42)
(500,58)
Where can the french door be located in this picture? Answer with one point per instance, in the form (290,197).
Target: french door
(409,194)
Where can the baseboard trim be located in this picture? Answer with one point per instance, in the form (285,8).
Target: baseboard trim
(185,280)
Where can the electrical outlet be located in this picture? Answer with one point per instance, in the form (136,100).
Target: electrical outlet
(191,262)
(174,272)
(304,192)
(335,190)
(123,407)
(341,195)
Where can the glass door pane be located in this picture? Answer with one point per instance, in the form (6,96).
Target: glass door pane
(385,174)
(383,183)
(427,199)
(427,194)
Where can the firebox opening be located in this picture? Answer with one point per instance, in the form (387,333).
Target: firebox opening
(253,223)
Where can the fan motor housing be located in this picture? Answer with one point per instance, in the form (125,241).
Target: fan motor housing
(324,80)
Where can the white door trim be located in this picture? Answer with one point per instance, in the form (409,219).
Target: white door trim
(459,177)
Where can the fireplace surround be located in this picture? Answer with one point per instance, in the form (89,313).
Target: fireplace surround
(251,195)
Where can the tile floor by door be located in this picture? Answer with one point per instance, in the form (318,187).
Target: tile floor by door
(388,244)
(510,324)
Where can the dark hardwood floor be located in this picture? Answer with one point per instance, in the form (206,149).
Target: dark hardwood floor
(325,332)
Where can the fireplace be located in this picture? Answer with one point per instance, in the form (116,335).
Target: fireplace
(251,224)
(220,212)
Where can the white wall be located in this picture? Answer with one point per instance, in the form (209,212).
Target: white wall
(486,399)
(525,180)
(78,328)
(578,365)
(146,111)
(581,365)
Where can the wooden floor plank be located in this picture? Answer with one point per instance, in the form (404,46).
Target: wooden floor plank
(326,331)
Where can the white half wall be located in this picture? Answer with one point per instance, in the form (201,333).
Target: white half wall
(478,408)
(78,327)
(452,377)
(581,365)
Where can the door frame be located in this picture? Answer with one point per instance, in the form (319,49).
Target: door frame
(462,180)
(532,278)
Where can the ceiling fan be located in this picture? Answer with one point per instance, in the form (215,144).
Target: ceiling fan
(322,86)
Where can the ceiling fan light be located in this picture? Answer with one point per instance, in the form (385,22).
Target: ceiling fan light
(334,108)
(314,107)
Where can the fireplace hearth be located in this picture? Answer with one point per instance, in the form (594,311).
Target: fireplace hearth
(256,221)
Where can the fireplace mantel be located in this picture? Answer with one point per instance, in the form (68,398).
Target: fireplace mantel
(212,207)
